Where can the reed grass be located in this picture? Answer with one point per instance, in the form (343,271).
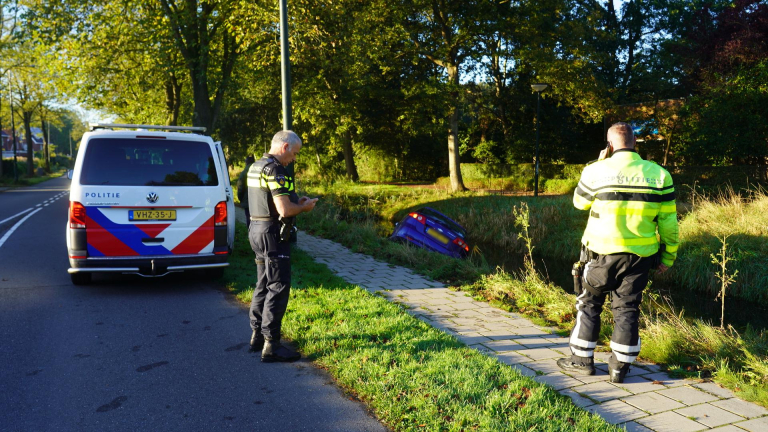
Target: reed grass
(695,348)
(744,221)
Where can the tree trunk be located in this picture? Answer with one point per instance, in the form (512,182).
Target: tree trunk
(46,154)
(349,154)
(454,164)
(27,116)
(319,163)
(202,114)
(172,99)
(666,150)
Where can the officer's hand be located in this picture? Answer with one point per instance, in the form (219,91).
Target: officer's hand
(309,204)
(603,154)
(662,268)
(302,200)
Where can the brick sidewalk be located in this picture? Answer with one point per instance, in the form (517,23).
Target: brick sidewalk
(648,400)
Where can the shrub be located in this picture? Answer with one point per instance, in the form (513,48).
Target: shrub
(560,186)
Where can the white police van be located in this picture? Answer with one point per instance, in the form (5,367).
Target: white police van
(149,200)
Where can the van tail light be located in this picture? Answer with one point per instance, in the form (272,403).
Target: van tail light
(461,243)
(419,218)
(220,214)
(76,215)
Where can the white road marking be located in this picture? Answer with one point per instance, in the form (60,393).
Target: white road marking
(16,215)
(18,224)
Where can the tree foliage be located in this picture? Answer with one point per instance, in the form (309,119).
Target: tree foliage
(379,87)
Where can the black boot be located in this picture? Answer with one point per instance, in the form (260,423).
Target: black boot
(257,341)
(617,370)
(577,365)
(274,351)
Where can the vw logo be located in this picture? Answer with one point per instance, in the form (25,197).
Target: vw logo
(152,197)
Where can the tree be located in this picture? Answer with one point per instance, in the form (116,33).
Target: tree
(9,20)
(152,41)
(445,33)
(723,51)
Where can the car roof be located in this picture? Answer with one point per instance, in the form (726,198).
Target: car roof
(107,133)
(442,218)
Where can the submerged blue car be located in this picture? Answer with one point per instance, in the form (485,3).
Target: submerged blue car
(432,230)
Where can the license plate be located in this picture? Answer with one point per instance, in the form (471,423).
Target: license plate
(151,215)
(438,235)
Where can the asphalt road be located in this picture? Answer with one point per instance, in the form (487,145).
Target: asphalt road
(128,353)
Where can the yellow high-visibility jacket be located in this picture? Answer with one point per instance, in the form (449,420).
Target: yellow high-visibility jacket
(628,198)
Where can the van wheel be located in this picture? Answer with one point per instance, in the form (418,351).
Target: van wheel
(82,278)
(215,273)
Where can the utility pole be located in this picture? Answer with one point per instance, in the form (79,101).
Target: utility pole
(285,65)
(285,72)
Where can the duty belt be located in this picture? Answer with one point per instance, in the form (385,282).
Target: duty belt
(264,218)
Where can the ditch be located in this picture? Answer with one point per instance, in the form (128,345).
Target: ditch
(738,313)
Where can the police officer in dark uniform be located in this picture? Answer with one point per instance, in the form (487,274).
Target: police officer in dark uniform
(273,205)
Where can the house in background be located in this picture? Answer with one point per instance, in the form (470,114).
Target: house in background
(21,143)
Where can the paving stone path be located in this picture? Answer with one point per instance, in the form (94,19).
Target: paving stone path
(648,400)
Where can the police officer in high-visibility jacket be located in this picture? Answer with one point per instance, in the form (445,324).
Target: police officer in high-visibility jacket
(632,229)
(273,203)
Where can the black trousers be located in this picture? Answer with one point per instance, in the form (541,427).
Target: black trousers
(624,275)
(273,282)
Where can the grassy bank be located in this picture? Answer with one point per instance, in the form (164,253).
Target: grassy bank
(357,217)
(555,224)
(412,376)
(744,221)
(556,227)
(29,181)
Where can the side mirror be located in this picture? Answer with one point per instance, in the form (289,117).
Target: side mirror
(69,174)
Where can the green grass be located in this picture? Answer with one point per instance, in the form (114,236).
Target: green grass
(744,220)
(690,347)
(29,181)
(411,375)
(556,226)
(361,233)
(695,349)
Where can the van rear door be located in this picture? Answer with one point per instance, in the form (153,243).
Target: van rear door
(230,199)
(149,196)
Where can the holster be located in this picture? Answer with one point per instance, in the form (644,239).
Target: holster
(286,229)
(585,255)
(577,271)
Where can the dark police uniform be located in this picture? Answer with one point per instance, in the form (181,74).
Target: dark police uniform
(267,178)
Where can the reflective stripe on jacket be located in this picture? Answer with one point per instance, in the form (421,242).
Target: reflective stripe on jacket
(267,178)
(628,199)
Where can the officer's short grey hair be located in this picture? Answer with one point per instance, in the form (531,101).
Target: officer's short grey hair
(285,136)
(625,131)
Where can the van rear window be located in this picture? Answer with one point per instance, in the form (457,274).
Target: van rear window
(148,162)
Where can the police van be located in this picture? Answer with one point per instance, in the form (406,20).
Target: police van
(149,200)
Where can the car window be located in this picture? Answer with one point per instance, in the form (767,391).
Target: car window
(148,162)
(442,219)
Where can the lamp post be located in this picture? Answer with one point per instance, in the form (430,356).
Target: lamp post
(538,88)
(285,65)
